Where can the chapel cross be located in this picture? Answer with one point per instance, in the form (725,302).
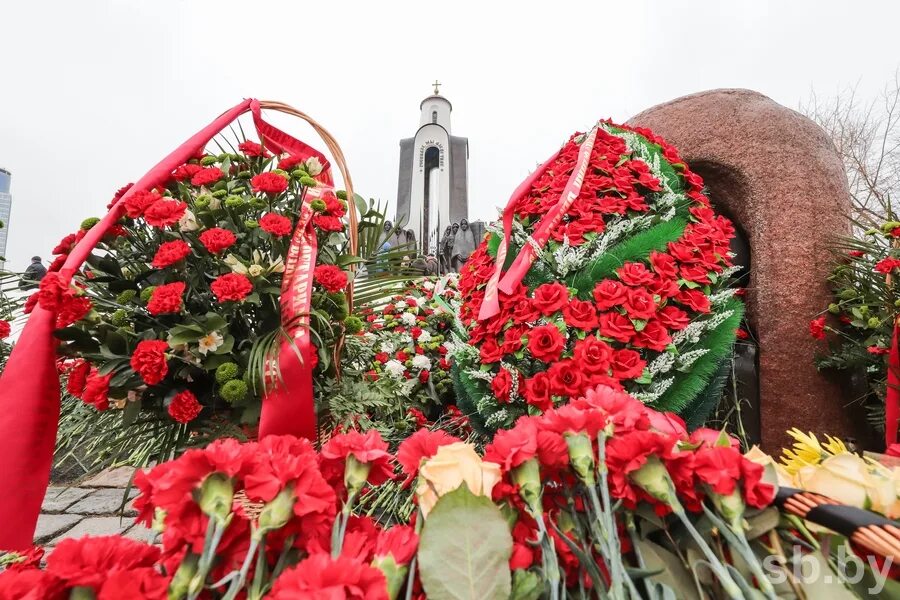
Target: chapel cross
(436,85)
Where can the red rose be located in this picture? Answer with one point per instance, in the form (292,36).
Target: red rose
(269,183)
(163,213)
(635,273)
(673,317)
(537,392)
(566,379)
(695,273)
(616,326)
(639,304)
(253,149)
(277,225)
(664,288)
(321,576)
(231,287)
(627,364)
(207,176)
(96,390)
(663,264)
(184,407)
(580,314)
(501,385)
(420,446)
(166,298)
(653,336)
(608,294)
(216,240)
(550,297)
(593,355)
(817,328)
(490,351)
(170,253)
(138,202)
(149,361)
(5,329)
(330,277)
(545,342)
(695,299)
(186,171)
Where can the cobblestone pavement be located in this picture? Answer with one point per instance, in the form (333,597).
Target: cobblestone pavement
(91,507)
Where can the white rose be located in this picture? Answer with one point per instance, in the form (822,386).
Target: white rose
(313,166)
(188,222)
(255,270)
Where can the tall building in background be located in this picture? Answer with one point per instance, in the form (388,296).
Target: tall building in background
(433,190)
(5,208)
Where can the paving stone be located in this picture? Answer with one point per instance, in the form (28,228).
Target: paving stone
(104,502)
(142,534)
(49,526)
(118,477)
(58,499)
(96,526)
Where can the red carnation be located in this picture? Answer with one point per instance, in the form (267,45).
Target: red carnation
(166,298)
(87,561)
(149,361)
(72,309)
(217,239)
(545,342)
(420,446)
(146,583)
(289,162)
(510,448)
(400,542)
(5,329)
(367,448)
(330,277)
(231,286)
(207,176)
(65,245)
(817,328)
(185,171)
(550,297)
(184,407)
(163,213)
(96,390)
(321,576)
(253,149)
(170,253)
(608,294)
(277,225)
(138,202)
(627,364)
(77,378)
(31,584)
(328,223)
(269,183)
(719,467)
(501,385)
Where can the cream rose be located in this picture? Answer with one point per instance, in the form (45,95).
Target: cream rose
(850,480)
(452,466)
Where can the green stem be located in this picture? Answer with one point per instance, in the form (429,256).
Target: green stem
(734,535)
(729,586)
(551,563)
(238,583)
(214,533)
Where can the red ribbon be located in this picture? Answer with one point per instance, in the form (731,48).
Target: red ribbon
(523,261)
(892,397)
(29,386)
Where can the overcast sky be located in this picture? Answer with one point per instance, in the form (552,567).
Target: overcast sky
(93,93)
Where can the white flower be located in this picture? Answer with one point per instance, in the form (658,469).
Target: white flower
(428,285)
(255,270)
(408,319)
(421,362)
(277,266)
(388,346)
(214,203)
(211,342)
(406,339)
(401,305)
(188,222)
(236,265)
(394,368)
(313,166)
(424,337)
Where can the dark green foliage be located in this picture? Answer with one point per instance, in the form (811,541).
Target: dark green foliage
(635,247)
(688,387)
(698,412)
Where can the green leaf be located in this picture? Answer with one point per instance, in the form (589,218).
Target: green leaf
(214,322)
(464,549)
(671,571)
(183,337)
(131,412)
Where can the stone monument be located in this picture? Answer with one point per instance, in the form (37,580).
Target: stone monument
(777,175)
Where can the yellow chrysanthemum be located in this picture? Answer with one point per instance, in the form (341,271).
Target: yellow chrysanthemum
(808,451)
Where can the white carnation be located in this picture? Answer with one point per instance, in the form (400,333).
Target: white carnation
(421,362)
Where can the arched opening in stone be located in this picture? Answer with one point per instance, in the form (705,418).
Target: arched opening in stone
(432,181)
(729,193)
